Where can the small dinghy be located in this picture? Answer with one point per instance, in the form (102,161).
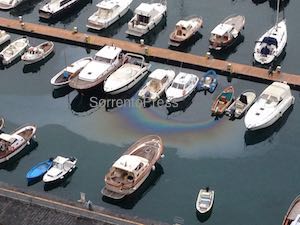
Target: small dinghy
(4,37)
(35,54)
(70,72)
(13,50)
(238,108)
(38,170)
(223,101)
(205,200)
(61,168)
(208,82)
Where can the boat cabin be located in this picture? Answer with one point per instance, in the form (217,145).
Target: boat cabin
(158,78)
(10,141)
(106,8)
(62,163)
(223,33)
(182,81)
(144,12)
(182,28)
(108,54)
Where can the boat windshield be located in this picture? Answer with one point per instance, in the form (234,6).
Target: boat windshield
(104,13)
(105,60)
(177,85)
(143,19)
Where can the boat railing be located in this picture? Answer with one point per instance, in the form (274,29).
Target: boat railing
(135,59)
(23,126)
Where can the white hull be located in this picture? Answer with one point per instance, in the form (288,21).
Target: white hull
(14,50)
(30,60)
(13,154)
(9,5)
(4,37)
(51,10)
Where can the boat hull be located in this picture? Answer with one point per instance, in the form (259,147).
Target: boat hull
(52,15)
(36,172)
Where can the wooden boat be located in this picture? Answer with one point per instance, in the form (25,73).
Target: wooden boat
(129,172)
(292,216)
(35,54)
(13,50)
(223,101)
(1,122)
(38,170)
(226,32)
(238,108)
(208,82)
(129,74)
(4,37)
(160,80)
(12,144)
(61,168)
(70,72)
(147,16)
(184,30)
(109,11)
(205,200)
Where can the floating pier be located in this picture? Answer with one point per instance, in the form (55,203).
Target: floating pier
(159,54)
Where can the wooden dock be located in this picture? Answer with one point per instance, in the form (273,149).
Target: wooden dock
(159,54)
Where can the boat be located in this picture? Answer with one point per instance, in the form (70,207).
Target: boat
(223,101)
(292,217)
(270,106)
(224,34)
(62,167)
(184,30)
(13,50)
(109,11)
(129,74)
(205,200)
(239,106)
(68,73)
(272,43)
(36,54)
(106,61)
(1,122)
(38,170)
(9,4)
(208,82)
(160,80)
(182,86)
(13,143)
(54,8)
(147,16)
(4,37)
(129,172)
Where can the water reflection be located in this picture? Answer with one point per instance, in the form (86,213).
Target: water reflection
(61,182)
(181,106)
(128,202)
(188,44)
(36,67)
(202,217)
(257,136)
(61,91)
(26,7)
(283,4)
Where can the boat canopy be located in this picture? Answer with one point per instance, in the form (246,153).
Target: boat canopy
(7,137)
(158,74)
(183,78)
(278,90)
(130,163)
(183,23)
(109,52)
(108,4)
(270,41)
(60,160)
(145,9)
(222,29)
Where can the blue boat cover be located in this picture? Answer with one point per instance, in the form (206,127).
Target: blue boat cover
(270,41)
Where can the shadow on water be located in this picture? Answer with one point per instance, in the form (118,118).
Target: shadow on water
(26,7)
(256,2)
(257,136)
(35,67)
(13,162)
(188,44)
(226,52)
(202,217)
(14,62)
(128,202)
(60,183)
(115,27)
(151,36)
(61,91)
(181,106)
(283,4)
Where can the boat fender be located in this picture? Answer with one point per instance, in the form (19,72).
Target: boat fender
(34,136)
(28,142)
(153,168)
(162,156)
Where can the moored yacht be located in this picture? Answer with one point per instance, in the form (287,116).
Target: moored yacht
(56,7)
(109,11)
(270,106)
(13,50)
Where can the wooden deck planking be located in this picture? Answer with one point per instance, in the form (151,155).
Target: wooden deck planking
(166,54)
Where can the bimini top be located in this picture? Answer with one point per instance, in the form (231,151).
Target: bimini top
(7,137)
(278,90)
(108,52)
(108,4)
(270,41)
(222,29)
(60,160)
(183,78)
(158,74)
(144,9)
(130,163)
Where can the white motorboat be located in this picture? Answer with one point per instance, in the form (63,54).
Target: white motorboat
(9,4)
(238,108)
(61,168)
(4,37)
(35,54)
(182,86)
(109,11)
(106,61)
(55,7)
(12,144)
(185,29)
(70,72)
(13,50)
(224,34)
(205,200)
(160,80)
(147,16)
(272,43)
(270,106)
(128,75)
